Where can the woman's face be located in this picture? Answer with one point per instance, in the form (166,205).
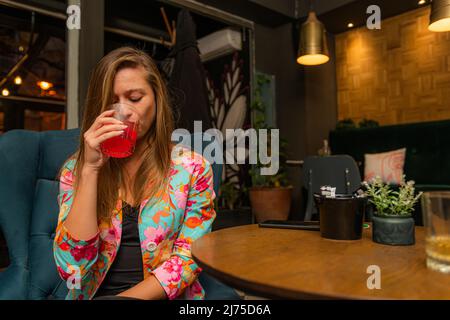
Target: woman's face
(132,88)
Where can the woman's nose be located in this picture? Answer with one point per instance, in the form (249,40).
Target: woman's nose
(127,111)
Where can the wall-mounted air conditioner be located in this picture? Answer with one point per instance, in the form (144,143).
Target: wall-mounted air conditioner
(219,43)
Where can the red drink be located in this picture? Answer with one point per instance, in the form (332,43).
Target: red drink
(121,146)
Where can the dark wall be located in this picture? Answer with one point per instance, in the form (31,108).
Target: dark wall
(274,55)
(320,101)
(306,100)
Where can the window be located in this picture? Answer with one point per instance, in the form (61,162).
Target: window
(32,70)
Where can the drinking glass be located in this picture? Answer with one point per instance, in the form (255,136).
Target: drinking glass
(122,146)
(436,213)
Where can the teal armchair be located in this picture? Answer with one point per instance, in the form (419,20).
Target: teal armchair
(29,166)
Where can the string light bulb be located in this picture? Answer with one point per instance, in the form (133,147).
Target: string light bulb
(18,80)
(44,85)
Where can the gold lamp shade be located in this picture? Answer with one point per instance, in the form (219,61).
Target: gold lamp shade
(440,16)
(313,48)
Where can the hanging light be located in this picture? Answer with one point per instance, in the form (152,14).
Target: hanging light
(18,80)
(440,16)
(5,92)
(313,48)
(44,85)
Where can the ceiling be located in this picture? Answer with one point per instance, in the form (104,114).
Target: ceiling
(320,6)
(274,13)
(336,20)
(147,13)
(335,14)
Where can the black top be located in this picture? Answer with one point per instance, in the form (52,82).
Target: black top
(126,270)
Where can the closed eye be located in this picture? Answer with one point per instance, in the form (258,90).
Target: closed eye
(135,99)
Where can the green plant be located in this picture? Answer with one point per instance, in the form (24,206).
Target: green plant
(346,124)
(367,123)
(259,122)
(389,202)
(229,194)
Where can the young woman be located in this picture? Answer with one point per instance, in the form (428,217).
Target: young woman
(126,226)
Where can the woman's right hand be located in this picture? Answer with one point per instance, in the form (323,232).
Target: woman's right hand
(103,128)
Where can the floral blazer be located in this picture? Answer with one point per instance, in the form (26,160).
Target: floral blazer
(181,214)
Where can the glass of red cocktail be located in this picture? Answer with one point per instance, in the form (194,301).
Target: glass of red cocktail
(122,146)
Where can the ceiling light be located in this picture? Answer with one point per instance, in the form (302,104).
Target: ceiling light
(313,47)
(440,16)
(350,25)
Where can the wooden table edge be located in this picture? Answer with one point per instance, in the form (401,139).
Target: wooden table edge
(278,293)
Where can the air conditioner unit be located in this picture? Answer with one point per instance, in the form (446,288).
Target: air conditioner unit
(219,43)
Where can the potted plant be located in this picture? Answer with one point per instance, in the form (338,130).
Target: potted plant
(392,221)
(270,195)
(230,209)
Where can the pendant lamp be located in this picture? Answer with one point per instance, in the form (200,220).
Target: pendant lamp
(313,48)
(440,16)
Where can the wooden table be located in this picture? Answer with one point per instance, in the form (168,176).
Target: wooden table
(297,264)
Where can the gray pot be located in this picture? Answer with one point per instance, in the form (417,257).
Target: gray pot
(393,230)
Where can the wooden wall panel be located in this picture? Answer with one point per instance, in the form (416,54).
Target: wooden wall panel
(399,74)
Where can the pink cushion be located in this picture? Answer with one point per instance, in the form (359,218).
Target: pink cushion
(387,165)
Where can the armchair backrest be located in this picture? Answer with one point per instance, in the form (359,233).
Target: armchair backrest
(29,165)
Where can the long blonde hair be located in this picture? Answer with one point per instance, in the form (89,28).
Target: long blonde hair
(152,174)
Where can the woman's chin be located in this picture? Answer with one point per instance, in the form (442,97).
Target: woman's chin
(140,139)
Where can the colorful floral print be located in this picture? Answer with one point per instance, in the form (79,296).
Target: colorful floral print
(167,229)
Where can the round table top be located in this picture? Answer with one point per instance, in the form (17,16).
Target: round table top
(297,264)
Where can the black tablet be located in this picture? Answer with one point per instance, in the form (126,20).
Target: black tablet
(291,224)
